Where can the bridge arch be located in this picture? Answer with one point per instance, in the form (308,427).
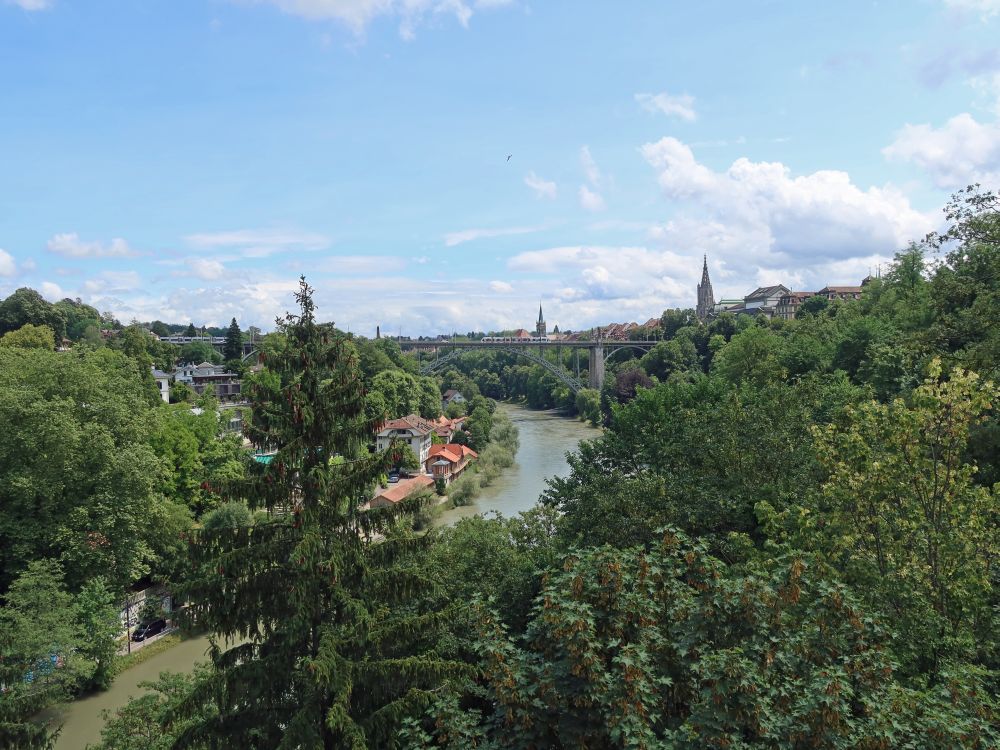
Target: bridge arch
(521,351)
(644,348)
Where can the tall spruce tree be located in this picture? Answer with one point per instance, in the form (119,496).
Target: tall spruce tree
(336,654)
(233,348)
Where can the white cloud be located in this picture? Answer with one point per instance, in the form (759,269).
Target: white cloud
(590,200)
(590,168)
(468,235)
(809,219)
(542,188)
(985,8)
(360,264)
(7,265)
(31,4)
(71,246)
(112,282)
(960,152)
(357,14)
(681,105)
(501,287)
(260,243)
(51,291)
(206,268)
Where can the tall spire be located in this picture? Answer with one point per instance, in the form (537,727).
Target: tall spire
(706,299)
(540,318)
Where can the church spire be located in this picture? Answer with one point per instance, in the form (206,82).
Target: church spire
(540,325)
(706,298)
(540,318)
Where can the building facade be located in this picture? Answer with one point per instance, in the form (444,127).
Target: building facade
(412,430)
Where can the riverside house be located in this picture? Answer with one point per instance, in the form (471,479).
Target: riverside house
(412,430)
(449,461)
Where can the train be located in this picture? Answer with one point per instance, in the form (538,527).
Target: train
(514,339)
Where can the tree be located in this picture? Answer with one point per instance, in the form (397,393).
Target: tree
(41,661)
(400,391)
(78,317)
(99,621)
(233,348)
(190,330)
(30,336)
(28,306)
(333,656)
(181,392)
(198,352)
(902,517)
(479,424)
(232,515)
(150,720)
(812,306)
(79,477)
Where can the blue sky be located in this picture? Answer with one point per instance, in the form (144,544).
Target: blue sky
(187,160)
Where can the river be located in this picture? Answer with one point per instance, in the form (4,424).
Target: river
(545,438)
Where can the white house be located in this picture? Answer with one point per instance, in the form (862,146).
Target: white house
(451,396)
(163,383)
(412,430)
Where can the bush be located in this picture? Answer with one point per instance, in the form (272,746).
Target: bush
(228,516)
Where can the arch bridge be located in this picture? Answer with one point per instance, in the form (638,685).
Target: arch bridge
(599,352)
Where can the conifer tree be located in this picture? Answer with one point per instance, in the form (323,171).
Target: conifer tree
(233,348)
(336,654)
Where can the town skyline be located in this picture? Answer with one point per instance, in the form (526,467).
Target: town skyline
(367,146)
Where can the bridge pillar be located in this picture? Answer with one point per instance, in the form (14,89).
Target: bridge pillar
(596,367)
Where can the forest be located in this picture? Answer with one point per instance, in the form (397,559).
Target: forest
(785,537)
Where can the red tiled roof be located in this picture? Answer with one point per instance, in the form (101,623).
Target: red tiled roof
(410,422)
(405,487)
(452,452)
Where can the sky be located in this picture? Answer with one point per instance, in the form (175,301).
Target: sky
(447,165)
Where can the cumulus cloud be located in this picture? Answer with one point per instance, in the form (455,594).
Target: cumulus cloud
(357,14)
(811,218)
(31,5)
(590,200)
(112,282)
(71,246)
(542,188)
(259,243)
(468,235)
(501,287)
(206,268)
(7,265)
(681,105)
(960,152)
(51,291)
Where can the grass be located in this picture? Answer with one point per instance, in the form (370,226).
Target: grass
(146,653)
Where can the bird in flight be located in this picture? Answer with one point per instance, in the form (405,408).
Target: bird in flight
(508,156)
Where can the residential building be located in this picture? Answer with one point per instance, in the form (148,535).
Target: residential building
(789,304)
(763,300)
(727,305)
(444,428)
(399,491)
(451,396)
(840,292)
(706,298)
(163,383)
(412,430)
(225,386)
(449,461)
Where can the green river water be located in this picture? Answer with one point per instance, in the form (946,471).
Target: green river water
(545,440)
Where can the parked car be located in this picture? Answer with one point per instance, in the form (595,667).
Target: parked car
(149,629)
(394,476)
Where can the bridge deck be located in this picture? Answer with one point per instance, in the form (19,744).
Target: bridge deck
(498,344)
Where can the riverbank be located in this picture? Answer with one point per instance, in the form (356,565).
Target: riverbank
(545,438)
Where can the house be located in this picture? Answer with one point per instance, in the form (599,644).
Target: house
(225,386)
(401,490)
(451,396)
(763,300)
(412,430)
(163,383)
(840,292)
(789,303)
(449,461)
(444,428)
(727,305)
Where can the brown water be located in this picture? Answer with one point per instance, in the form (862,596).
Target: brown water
(546,438)
(83,720)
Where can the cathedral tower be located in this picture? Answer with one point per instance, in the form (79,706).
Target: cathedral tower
(706,299)
(540,325)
